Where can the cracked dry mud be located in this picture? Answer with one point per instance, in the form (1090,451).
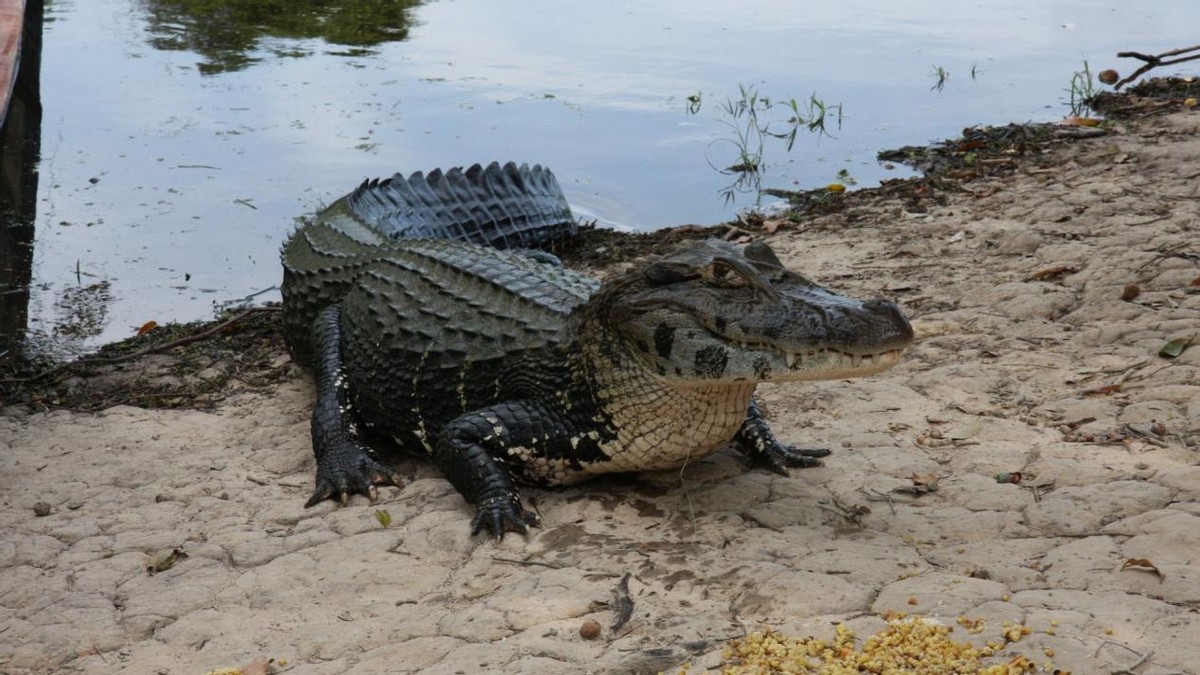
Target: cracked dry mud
(1028,360)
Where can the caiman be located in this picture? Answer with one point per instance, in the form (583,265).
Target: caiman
(432,318)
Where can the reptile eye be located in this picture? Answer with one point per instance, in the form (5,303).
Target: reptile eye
(724,274)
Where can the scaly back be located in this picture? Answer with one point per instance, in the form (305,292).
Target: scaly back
(498,206)
(455,219)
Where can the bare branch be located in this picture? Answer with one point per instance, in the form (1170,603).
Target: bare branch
(1154,61)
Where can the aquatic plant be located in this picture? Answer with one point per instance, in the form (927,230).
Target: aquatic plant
(752,119)
(1082,89)
(943,76)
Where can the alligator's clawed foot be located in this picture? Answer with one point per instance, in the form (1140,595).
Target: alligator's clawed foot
(360,475)
(780,458)
(502,513)
(758,442)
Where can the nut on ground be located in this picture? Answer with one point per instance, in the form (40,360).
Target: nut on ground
(590,629)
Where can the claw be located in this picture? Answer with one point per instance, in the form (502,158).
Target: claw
(780,458)
(372,492)
(803,458)
(502,514)
(320,494)
(345,498)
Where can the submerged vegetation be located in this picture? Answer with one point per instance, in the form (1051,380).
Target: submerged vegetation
(943,76)
(753,120)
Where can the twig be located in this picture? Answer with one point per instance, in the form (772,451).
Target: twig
(1154,61)
(195,337)
(874,495)
(1141,376)
(240,303)
(622,604)
(1135,665)
(1146,436)
(543,563)
(854,513)
(1146,222)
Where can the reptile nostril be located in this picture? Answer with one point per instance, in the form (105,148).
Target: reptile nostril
(879,304)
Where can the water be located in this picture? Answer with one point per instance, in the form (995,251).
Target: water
(177,148)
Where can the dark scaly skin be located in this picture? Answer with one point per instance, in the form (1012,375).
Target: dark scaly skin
(507,368)
(346,466)
(756,440)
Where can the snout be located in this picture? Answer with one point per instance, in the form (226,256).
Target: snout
(888,324)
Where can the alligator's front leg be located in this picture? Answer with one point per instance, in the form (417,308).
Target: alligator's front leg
(344,465)
(474,452)
(756,440)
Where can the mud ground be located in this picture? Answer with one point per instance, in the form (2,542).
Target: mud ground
(1032,462)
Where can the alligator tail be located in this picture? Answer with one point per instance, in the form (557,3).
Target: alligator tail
(500,206)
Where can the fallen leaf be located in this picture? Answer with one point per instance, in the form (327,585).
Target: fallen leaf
(927,481)
(164,560)
(835,187)
(966,431)
(1130,292)
(1144,565)
(147,327)
(1051,272)
(1195,282)
(921,484)
(383,517)
(1102,389)
(771,226)
(1175,347)
(1013,477)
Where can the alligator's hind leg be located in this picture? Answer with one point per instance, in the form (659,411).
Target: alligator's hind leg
(756,440)
(344,465)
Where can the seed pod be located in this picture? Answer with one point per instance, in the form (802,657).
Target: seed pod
(590,630)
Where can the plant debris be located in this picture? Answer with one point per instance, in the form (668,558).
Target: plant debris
(164,560)
(907,645)
(1144,565)
(383,517)
(1175,347)
(622,604)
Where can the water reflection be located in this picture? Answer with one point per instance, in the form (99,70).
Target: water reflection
(20,147)
(231,35)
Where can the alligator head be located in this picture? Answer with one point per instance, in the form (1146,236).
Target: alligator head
(713,311)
